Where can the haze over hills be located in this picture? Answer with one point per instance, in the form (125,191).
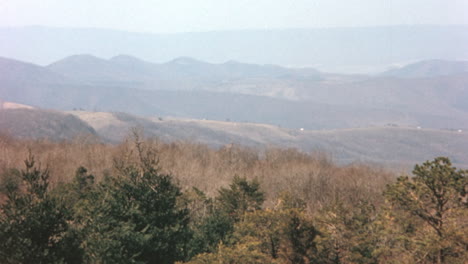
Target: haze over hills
(429,68)
(367,49)
(182,73)
(371,118)
(239,92)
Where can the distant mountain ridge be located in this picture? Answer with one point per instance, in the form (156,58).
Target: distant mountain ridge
(13,70)
(429,68)
(125,68)
(238,92)
(361,49)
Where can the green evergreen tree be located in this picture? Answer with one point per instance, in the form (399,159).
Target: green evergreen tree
(228,208)
(215,228)
(242,196)
(348,234)
(136,217)
(34,226)
(436,197)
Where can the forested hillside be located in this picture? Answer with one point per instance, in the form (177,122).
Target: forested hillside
(145,201)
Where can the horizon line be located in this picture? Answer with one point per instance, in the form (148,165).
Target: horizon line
(228,30)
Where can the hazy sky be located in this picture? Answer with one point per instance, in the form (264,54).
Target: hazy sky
(208,15)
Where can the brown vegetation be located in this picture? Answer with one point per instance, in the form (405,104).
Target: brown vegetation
(311,177)
(229,205)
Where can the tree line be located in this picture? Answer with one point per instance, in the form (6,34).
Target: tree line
(137,212)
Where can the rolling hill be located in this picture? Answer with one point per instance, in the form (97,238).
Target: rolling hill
(42,124)
(400,146)
(385,145)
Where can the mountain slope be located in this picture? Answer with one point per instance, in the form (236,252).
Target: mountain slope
(42,124)
(182,73)
(385,145)
(17,71)
(436,95)
(26,83)
(94,70)
(343,102)
(429,68)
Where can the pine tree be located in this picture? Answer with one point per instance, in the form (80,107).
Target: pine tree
(136,216)
(436,197)
(34,225)
(242,196)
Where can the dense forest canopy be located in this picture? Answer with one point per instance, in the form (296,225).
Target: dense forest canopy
(146,201)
